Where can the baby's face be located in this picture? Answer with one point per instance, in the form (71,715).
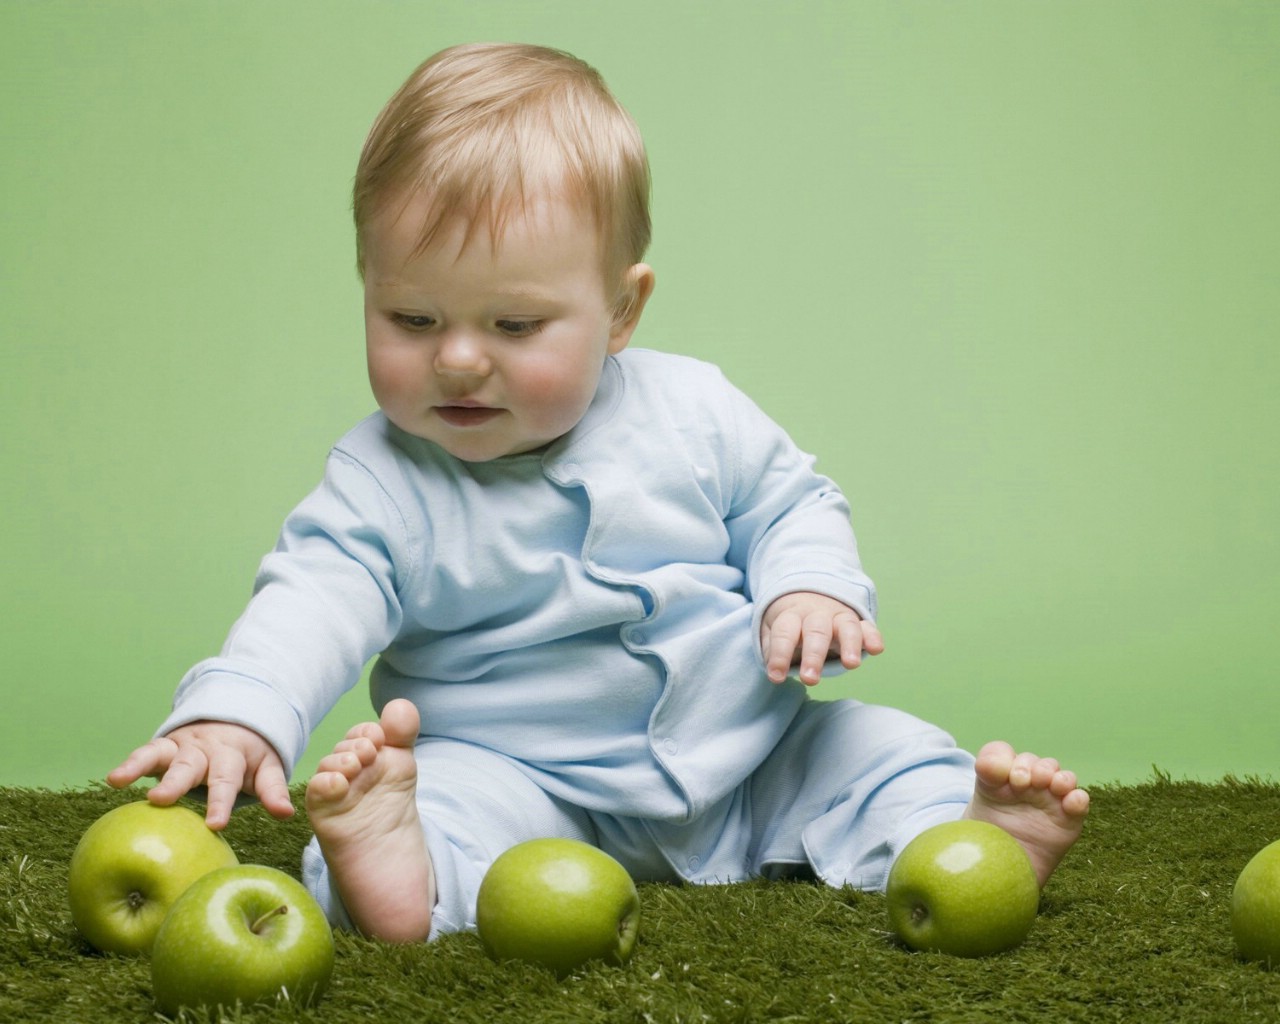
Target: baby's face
(487,351)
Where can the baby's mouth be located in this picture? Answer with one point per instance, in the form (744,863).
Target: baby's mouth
(466,415)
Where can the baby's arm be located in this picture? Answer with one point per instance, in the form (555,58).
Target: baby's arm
(804,628)
(228,758)
(325,601)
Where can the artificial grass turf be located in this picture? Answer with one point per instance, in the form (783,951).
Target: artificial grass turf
(1133,927)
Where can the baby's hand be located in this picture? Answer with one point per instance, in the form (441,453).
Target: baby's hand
(227,758)
(804,629)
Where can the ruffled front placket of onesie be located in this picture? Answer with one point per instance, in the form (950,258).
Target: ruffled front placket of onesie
(656,528)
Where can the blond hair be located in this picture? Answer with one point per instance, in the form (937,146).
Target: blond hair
(484,128)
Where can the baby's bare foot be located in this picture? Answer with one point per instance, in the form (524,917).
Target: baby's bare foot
(362,807)
(1031,798)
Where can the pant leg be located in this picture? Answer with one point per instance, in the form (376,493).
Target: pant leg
(710,849)
(473,804)
(848,786)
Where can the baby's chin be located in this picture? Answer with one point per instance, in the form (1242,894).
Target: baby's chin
(482,435)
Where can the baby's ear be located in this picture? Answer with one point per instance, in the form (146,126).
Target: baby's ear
(637,286)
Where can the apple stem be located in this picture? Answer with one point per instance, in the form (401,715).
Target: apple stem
(257,925)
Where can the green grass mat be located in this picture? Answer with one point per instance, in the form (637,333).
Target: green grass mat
(1134,927)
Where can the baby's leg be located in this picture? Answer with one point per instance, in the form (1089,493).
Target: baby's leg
(848,786)
(361,802)
(1032,799)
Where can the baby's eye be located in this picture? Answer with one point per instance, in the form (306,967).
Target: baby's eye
(519,328)
(413,321)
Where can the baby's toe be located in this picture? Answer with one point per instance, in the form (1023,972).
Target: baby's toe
(1063,782)
(1022,771)
(1076,803)
(370,731)
(993,763)
(326,787)
(1043,772)
(361,746)
(341,762)
(399,723)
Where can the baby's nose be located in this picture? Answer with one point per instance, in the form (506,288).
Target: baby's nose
(461,354)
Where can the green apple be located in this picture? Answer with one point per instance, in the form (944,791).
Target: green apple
(559,903)
(244,934)
(1255,907)
(964,887)
(131,865)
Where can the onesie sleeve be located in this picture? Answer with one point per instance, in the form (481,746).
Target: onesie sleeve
(325,601)
(789,525)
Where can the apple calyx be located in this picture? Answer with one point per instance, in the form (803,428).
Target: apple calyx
(135,900)
(259,924)
(919,914)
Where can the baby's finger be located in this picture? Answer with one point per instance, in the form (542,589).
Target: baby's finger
(184,771)
(226,780)
(780,645)
(272,789)
(817,645)
(872,640)
(150,759)
(848,641)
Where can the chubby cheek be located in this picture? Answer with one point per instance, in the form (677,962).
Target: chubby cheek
(553,397)
(396,378)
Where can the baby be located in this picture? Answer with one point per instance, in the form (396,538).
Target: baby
(587,571)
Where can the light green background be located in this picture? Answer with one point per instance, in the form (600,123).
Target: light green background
(1009,268)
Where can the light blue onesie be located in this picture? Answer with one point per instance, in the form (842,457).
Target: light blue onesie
(579,628)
